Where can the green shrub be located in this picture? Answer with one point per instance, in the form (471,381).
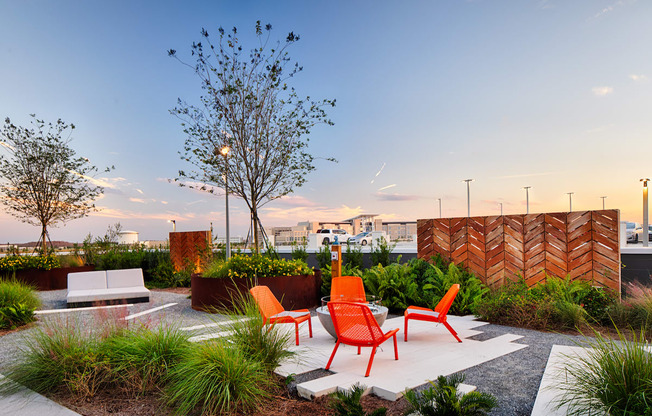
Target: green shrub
(353,257)
(347,403)
(299,252)
(614,377)
(164,275)
(216,378)
(381,251)
(437,282)
(442,399)
(394,284)
(140,359)
(323,257)
(15,262)
(18,302)
(256,265)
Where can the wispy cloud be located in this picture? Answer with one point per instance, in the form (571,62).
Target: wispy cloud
(638,78)
(396,197)
(599,129)
(140,191)
(138,200)
(378,173)
(387,187)
(611,8)
(295,201)
(602,91)
(312,213)
(526,175)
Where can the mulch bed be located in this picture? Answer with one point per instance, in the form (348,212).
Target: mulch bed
(114,402)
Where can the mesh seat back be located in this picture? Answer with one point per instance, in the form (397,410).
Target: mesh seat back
(354,323)
(348,289)
(445,303)
(267,302)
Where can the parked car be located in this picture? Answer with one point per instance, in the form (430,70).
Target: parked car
(632,229)
(328,236)
(363,239)
(639,234)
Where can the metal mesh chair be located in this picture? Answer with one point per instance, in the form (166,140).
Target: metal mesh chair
(272,311)
(355,325)
(438,315)
(348,289)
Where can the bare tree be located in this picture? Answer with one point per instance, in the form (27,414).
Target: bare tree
(248,107)
(42,181)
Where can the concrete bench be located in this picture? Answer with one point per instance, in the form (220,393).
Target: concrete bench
(106,287)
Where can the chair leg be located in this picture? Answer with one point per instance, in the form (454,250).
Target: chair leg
(395,348)
(452,331)
(337,344)
(310,326)
(296,331)
(358,350)
(406,325)
(371,360)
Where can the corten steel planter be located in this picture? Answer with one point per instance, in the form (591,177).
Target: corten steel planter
(54,279)
(294,292)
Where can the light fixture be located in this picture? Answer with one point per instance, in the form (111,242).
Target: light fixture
(527,199)
(174,225)
(468,196)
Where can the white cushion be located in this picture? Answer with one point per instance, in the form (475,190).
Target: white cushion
(124,278)
(87,280)
(93,295)
(422,312)
(290,314)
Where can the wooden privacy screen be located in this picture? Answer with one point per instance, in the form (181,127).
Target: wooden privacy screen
(190,245)
(584,245)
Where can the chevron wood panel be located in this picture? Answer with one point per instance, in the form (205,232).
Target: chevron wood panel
(582,245)
(188,246)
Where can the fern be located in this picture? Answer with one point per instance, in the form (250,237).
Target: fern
(347,403)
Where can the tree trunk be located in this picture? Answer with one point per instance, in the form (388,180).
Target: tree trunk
(44,243)
(255,225)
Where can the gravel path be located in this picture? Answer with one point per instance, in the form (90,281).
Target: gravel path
(514,378)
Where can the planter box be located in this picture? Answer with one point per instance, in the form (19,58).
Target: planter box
(54,279)
(294,292)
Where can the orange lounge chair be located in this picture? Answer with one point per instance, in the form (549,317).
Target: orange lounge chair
(438,315)
(347,289)
(355,325)
(272,311)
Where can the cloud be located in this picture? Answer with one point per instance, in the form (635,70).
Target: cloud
(310,213)
(295,201)
(378,173)
(387,187)
(164,202)
(526,175)
(638,78)
(611,8)
(139,200)
(139,191)
(599,129)
(396,197)
(602,91)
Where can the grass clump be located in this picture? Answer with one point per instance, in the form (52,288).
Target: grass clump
(442,399)
(614,377)
(347,403)
(217,378)
(18,302)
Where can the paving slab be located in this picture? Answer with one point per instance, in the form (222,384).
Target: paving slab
(25,402)
(431,351)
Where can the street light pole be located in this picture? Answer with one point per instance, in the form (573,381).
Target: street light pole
(468,196)
(501,209)
(439,199)
(174,225)
(646,226)
(570,201)
(603,205)
(224,151)
(527,199)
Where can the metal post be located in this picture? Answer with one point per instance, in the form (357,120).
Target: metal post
(226,190)
(646,226)
(570,201)
(603,205)
(468,196)
(439,199)
(501,209)
(527,199)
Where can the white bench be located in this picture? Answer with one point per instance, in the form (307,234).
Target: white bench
(106,287)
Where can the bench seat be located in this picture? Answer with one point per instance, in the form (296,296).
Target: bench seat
(106,287)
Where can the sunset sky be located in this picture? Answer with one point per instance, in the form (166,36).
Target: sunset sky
(555,95)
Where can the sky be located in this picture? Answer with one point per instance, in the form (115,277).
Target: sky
(554,95)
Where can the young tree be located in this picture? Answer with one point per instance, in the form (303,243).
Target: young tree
(42,182)
(248,108)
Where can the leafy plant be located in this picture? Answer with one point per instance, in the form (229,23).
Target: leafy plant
(327,273)
(438,281)
(353,257)
(394,284)
(381,252)
(323,257)
(256,265)
(18,302)
(17,262)
(15,315)
(216,378)
(614,377)
(347,403)
(299,252)
(443,399)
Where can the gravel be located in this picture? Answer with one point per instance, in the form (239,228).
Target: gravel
(513,379)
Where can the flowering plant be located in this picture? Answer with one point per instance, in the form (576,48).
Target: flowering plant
(13,263)
(256,265)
